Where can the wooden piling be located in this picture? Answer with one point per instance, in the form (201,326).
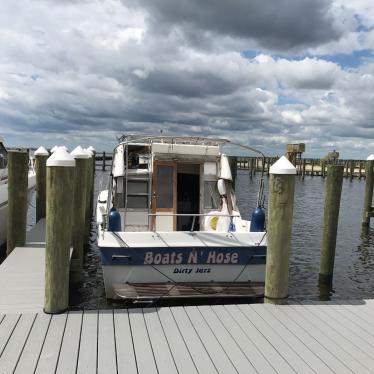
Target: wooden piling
(333,191)
(369,184)
(312,169)
(104,159)
(351,169)
(81,183)
(251,163)
(60,190)
(41,155)
(17,199)
(303,171)
(360,170)
(280,211)
(89,196)
(233,162)
(323,169)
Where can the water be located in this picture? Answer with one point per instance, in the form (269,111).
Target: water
(354,262)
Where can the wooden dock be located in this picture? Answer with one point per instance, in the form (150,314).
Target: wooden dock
(257,338)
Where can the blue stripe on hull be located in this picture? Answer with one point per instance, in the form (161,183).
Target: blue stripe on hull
(183,256)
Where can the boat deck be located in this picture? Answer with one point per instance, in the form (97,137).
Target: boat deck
(258,338)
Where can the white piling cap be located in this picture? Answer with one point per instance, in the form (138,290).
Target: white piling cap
(371,157)
(89,152)
(90,148)
(54,148)
(66,148)
(79,152)
(41,151)
(61,158)
(283,166)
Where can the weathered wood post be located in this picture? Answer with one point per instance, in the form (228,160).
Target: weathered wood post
(89,197)
(233,162)
(60,196)
(333,192)
(312,169)
(360,170)
(303,172)
(369,184)
(323,169)
(81,184)
(104,159)
(351,169)
(280,211)
(251,162)
(17,199)
(41,155)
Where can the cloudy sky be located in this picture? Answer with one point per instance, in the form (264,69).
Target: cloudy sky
(264,73)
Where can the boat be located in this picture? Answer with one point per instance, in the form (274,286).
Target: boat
(169,225)
(4,189)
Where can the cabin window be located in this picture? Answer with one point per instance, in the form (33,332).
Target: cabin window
(211,195)
(137,194)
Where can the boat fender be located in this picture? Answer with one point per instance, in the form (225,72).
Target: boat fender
(221,185)
(258,220)
(211,220)
(114,220)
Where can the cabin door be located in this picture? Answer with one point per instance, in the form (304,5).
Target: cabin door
(164,196)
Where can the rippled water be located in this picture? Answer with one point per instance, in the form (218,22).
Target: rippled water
(354,262)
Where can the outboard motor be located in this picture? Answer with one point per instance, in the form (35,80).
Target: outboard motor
(114,220)
(258,220)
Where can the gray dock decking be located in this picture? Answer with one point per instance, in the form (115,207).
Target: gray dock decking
(255,338)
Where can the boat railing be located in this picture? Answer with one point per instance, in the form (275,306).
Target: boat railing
(194,215)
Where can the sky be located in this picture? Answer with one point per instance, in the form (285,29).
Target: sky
(261,73)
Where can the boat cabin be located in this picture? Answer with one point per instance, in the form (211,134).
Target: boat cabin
(170,184)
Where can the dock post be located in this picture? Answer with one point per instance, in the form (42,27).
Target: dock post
(323,169)
(360,170)
(369,184)
(303,172)
(280,211)
(333,192)
(60,190)
(89,196)
(351,169)
(41,155)
(81,184)
(104,159)
(17,199)
(251,162)
(312,169)
(233,162)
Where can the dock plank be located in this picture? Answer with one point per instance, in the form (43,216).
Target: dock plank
(180,352)
(34,344)
(142,345)
(126,362)
(17,340)
(7,326)
(51,348)
(203,361)
(222,361)
(292,340)
(338,333)
(87,357)
(260,352)
(323,334)
(160,346)
(106,349)
(240,361)
(67,362)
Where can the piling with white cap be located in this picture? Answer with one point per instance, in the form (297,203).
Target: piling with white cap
(279,229)
(53,149)
(333,193)
(60,193)
(368,210)
(41,155)
(81,183)
(17,199)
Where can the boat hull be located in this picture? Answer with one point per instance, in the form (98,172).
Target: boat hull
(181,265)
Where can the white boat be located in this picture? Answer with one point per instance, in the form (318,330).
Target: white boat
(169,225)
(4,189)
